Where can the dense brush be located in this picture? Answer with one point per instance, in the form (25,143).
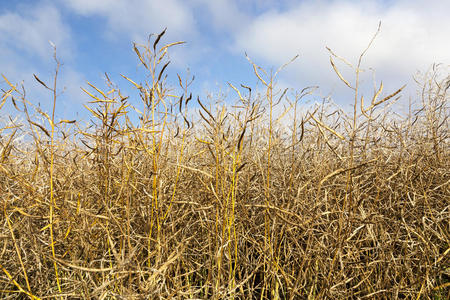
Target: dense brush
(155,201)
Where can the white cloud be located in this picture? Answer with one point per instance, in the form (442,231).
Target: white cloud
(134,20)
(24,43)
(224,15)
(30,31)
(137,18)
(414,35)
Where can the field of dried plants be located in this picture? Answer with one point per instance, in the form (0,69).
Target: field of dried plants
(174,197)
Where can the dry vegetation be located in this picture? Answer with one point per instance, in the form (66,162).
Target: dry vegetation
(150,201)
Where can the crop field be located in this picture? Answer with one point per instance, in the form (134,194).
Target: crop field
(170,196)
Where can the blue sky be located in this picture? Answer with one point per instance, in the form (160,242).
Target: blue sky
(95,36)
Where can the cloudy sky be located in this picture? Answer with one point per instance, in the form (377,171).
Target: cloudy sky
(93,37)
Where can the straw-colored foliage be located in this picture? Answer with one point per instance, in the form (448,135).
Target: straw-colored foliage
(153,202)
